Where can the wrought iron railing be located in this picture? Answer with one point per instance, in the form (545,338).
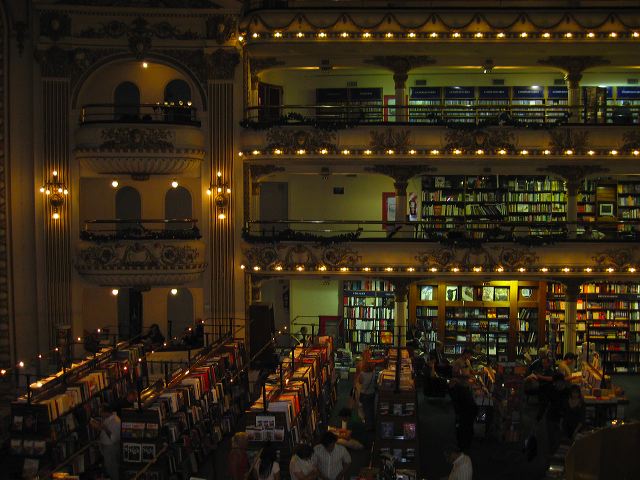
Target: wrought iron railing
(472,114)
(182,113)
(440,230)
(140,229)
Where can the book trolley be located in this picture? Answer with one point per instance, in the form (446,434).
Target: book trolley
(295,400)
(397,416)
(181,422)
(50,425)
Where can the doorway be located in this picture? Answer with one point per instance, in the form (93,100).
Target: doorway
(274,204)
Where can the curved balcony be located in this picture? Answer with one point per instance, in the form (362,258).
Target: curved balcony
(140,253)
(139,140)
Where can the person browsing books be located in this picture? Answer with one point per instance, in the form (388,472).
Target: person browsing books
(331,460)
(462,468)
(301,466)
(462,365)
(565,366)
(237,460)
(109,439)
(267,468)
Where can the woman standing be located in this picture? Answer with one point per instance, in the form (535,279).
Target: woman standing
(267,468)
(366,381)
(301,466)
(238,460)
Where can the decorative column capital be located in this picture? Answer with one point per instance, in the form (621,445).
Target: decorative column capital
(400,287)
(400,65)
(574,65)
(222,64)
(572,289)
(400,173)
(574,174)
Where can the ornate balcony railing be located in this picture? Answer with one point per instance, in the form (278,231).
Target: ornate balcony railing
(445,230)
(140,113)
(140,253)
(136,229)
(334,116)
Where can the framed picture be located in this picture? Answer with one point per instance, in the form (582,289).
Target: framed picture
(451,293)
(501,294)
(426,293)
(467,293)
(487,294)
(389,210)
(606,210)
(132,452)
(148,452)
(526,292)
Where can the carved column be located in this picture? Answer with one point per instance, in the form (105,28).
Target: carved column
(400,290)
(220,96)
(55,156)
(573,67)
(571,314)
(401,66)
(573,175)
(401,175)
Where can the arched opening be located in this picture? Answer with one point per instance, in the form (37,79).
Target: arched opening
(177,205)
(129,313)
(128,207)
(126,102)
(179,312)
(177,93)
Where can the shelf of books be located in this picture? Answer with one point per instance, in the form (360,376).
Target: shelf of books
(608,317)
(587,201)
(628,203)
(397,415)
(189,416)
(555,319)
(501,320)
(492,205)
(52,426)
(367,311)
(295,399)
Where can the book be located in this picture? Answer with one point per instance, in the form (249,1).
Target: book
(409,431)
(132,452)
(426,293)
(148,452)
(16,424)
(386,430)
(501,294)
(487,294)
(467,293)
(397,408)
(451,293)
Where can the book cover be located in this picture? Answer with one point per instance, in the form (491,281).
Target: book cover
(151,430)
(409,431)
(386,429)
(487,294)
(16,424)
(410,408)
(397,408)
(501,294)
(451,293)
(148,452)
(467,293)
(426,293)
(132,452)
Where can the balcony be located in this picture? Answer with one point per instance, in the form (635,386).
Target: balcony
(349,116)
(139,140)
(140,253)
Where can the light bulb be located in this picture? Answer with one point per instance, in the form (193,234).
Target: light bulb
(174,291)
(114,292)
(41,189)
(221,216)
(145,65)
(55,173)
(55,215)
(174,184)
(209,191)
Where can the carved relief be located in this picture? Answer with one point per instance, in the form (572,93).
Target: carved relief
(291,140)
(264,257)
(631,139)
(561,139)
(221,28)
(399,173)
(617,258)
(390,139)
(440,258)
(143,3)
(138,28)
(489,139)
(124,138)
(300,255)
(516,257)
(510,258)
(55,25)
(340,257)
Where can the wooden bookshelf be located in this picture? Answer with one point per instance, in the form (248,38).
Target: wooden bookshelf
(499,319)
(367,311)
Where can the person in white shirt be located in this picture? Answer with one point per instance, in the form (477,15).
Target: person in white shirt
(331,460)
(462,468)
(301,466)
(109,439)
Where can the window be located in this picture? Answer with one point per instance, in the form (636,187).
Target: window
(126,102)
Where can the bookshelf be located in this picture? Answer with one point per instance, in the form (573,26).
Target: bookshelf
(492,101)
(53,425)
(359,105)
(425,104)
(628,203)
(367,312)
(537,200)
(557,97)
(587,202)
(502,320)
(528,97)
(555,319)
(295,399)
(396,415)
(459,103)
(189,415)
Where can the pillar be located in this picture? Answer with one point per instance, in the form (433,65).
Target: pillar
(401,288)
(400,81)
(570,315)
(573,90)
(572,208)
(221,108)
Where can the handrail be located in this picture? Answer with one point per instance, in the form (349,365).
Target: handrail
(142,220)
(160,112)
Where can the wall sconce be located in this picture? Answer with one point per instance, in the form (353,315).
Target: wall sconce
(222,194)
(55,192)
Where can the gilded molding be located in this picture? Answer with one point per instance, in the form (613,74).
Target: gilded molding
(125,138)
(221,28)
(267,257)
(390,139)
(311,139)
(445,258)
(561,139)
(616,258)
(492,138)
(139,29)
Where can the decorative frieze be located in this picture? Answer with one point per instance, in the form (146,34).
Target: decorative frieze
(487,139)
(311,139)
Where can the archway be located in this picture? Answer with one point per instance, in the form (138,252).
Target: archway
(178,93)
(177,205)
(128,207)
(126,101)
(179,312)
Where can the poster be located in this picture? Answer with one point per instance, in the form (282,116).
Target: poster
(413,207)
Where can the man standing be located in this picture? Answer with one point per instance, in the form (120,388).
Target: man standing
(109,439)
(462,467)
(331,460)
